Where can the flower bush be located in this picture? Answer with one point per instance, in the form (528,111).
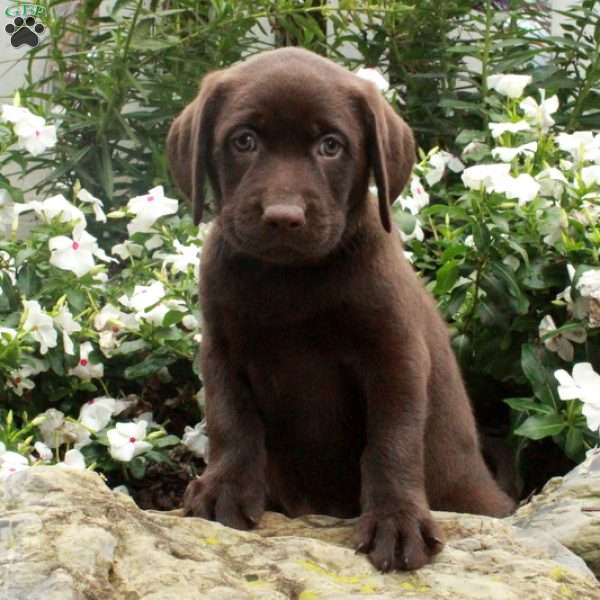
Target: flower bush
(87,336)
(98,336)
(510,250)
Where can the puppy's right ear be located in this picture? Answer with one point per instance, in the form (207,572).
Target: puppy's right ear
(190,139)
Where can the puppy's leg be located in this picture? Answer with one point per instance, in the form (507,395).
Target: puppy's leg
(232,488)
(395,528)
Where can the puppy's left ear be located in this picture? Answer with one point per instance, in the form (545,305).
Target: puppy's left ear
(390,148)
(189,142)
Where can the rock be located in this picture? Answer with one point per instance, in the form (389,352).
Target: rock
(65,536)
(568,508)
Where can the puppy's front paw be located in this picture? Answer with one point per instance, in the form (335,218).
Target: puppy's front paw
(239,505)
(404,539)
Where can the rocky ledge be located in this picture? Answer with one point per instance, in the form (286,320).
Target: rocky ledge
(65,536)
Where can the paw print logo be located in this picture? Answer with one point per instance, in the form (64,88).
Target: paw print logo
(24,31)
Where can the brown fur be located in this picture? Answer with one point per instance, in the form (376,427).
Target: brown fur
(331,386)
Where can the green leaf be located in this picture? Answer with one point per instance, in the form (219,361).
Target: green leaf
(528,404)
(28,281)
(172,318)
(165,442)
(541,380)
(137,467)
(538,427)
(129,347)
(159,457)
(77,300)
(405,220)
(149,366)
(9,299)
(447,276)
(574,445)
(462,348)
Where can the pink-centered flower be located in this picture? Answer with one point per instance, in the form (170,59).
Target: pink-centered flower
(126,440)
(76,254)
(85,369)
(96,413)
(148,209)
(33,133)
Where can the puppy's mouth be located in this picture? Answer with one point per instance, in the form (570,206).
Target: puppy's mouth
(283,249)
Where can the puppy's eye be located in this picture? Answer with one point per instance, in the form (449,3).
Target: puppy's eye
(244,142)
(330,146)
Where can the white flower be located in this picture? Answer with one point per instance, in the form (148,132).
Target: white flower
(190,322)
(560,342)
(484,175)
(126,440)
(417,233)
(552,182)
(474,149)
(589,283)
(55,207)
(588,286)
(581,145)
(196,440)
(11,463)
(57,431)
(7,335)
(96,413)
(67,324)
(87,198)
(19,379)
(374,76)
(43,451)
(498,129)
(39,325)
(144,296)
(113,319)
(539,114)
(203,231)
(8,266)
(18,383)
(589,213)
(523,187)
(591,175)
(186,256)
(112,323)
(154,242)
(33,133)
(506,154)
(418,198)
(148,418)
(86,369)
(7,214)
(127,249)
(584,385)
(148,208)
(437,165)
(73,460)
(76,254)
(509,85)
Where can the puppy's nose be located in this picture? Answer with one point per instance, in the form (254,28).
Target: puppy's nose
(284,216)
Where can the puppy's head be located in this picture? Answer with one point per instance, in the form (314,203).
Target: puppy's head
(288,141)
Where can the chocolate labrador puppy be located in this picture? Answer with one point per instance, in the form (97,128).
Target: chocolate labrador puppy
(331,386)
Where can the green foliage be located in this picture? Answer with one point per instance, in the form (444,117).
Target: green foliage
(497,263)
(121,78)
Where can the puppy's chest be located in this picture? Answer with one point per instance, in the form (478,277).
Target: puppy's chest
(305,372)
